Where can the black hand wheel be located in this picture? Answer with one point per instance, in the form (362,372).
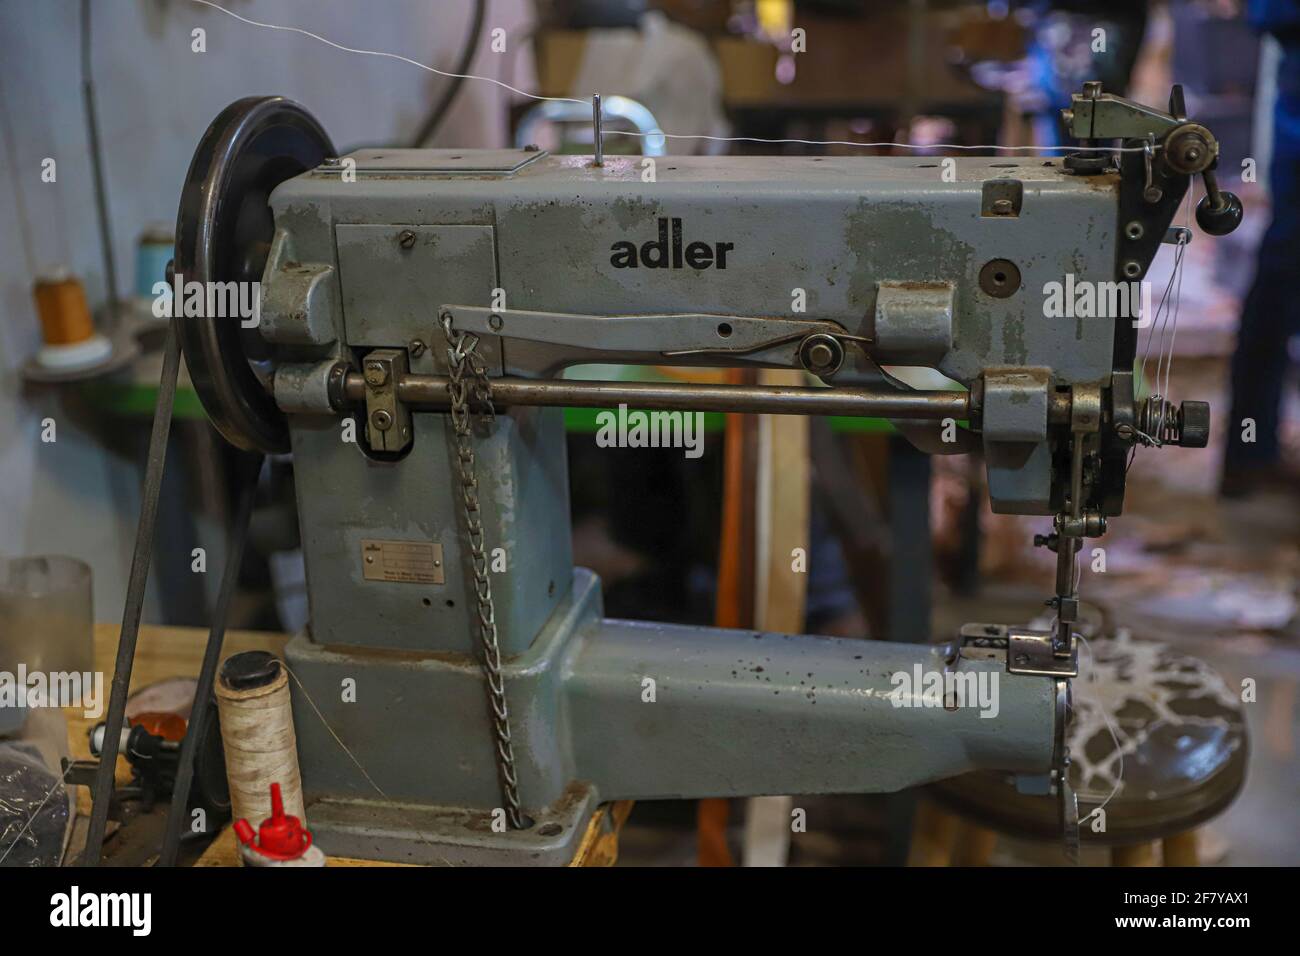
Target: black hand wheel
(223,234)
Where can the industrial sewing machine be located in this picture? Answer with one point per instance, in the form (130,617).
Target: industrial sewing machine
(417,310)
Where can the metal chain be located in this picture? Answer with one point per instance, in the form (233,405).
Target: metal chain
(461,357)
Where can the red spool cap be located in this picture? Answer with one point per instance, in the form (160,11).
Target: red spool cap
(280,837)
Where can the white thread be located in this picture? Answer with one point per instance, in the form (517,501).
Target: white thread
(390,56)
(1158,388)
(351,756)
(1170,300)
(1114,735)
(338,740)
(846,142)
(660,133)
(1178,293)
(261,748)
(1157,327)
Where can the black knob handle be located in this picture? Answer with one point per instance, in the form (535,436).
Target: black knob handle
(1219,219)
(1194,422)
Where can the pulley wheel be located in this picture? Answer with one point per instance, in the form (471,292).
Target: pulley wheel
(223,234)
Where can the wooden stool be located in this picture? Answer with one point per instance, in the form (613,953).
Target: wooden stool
(1183,745)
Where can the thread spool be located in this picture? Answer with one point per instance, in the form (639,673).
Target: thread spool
(68,335)
(155,249)
(257,733)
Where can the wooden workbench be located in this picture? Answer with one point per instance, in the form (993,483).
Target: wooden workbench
(167,652)
(161,653)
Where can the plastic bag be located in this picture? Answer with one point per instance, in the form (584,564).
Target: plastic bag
(33,808)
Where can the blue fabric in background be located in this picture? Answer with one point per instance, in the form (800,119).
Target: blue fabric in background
(1271,313)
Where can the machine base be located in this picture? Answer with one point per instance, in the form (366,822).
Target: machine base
(453,836)
(605,710)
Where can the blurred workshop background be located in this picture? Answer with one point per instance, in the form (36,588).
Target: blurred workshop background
(121,96)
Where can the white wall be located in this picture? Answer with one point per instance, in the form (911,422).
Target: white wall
(155,97)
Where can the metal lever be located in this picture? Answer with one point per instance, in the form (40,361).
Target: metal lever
(818,346)
(1219,212)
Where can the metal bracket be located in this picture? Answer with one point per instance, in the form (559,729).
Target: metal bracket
(1085,408)
(1097,115)
(1026,651)
(1032,652)
(1150,191)
(80,773)
(388,420)
(1017,404)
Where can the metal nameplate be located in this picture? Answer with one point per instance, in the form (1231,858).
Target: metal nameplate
(403,562)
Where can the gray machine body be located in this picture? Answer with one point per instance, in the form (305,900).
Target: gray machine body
(367,252)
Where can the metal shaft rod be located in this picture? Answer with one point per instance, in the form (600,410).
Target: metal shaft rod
(97,163)
(139,578)
(1066,554)
(1212,188)
(431,390)
(246,475)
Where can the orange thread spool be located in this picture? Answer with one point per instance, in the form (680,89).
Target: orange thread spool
(61,305)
